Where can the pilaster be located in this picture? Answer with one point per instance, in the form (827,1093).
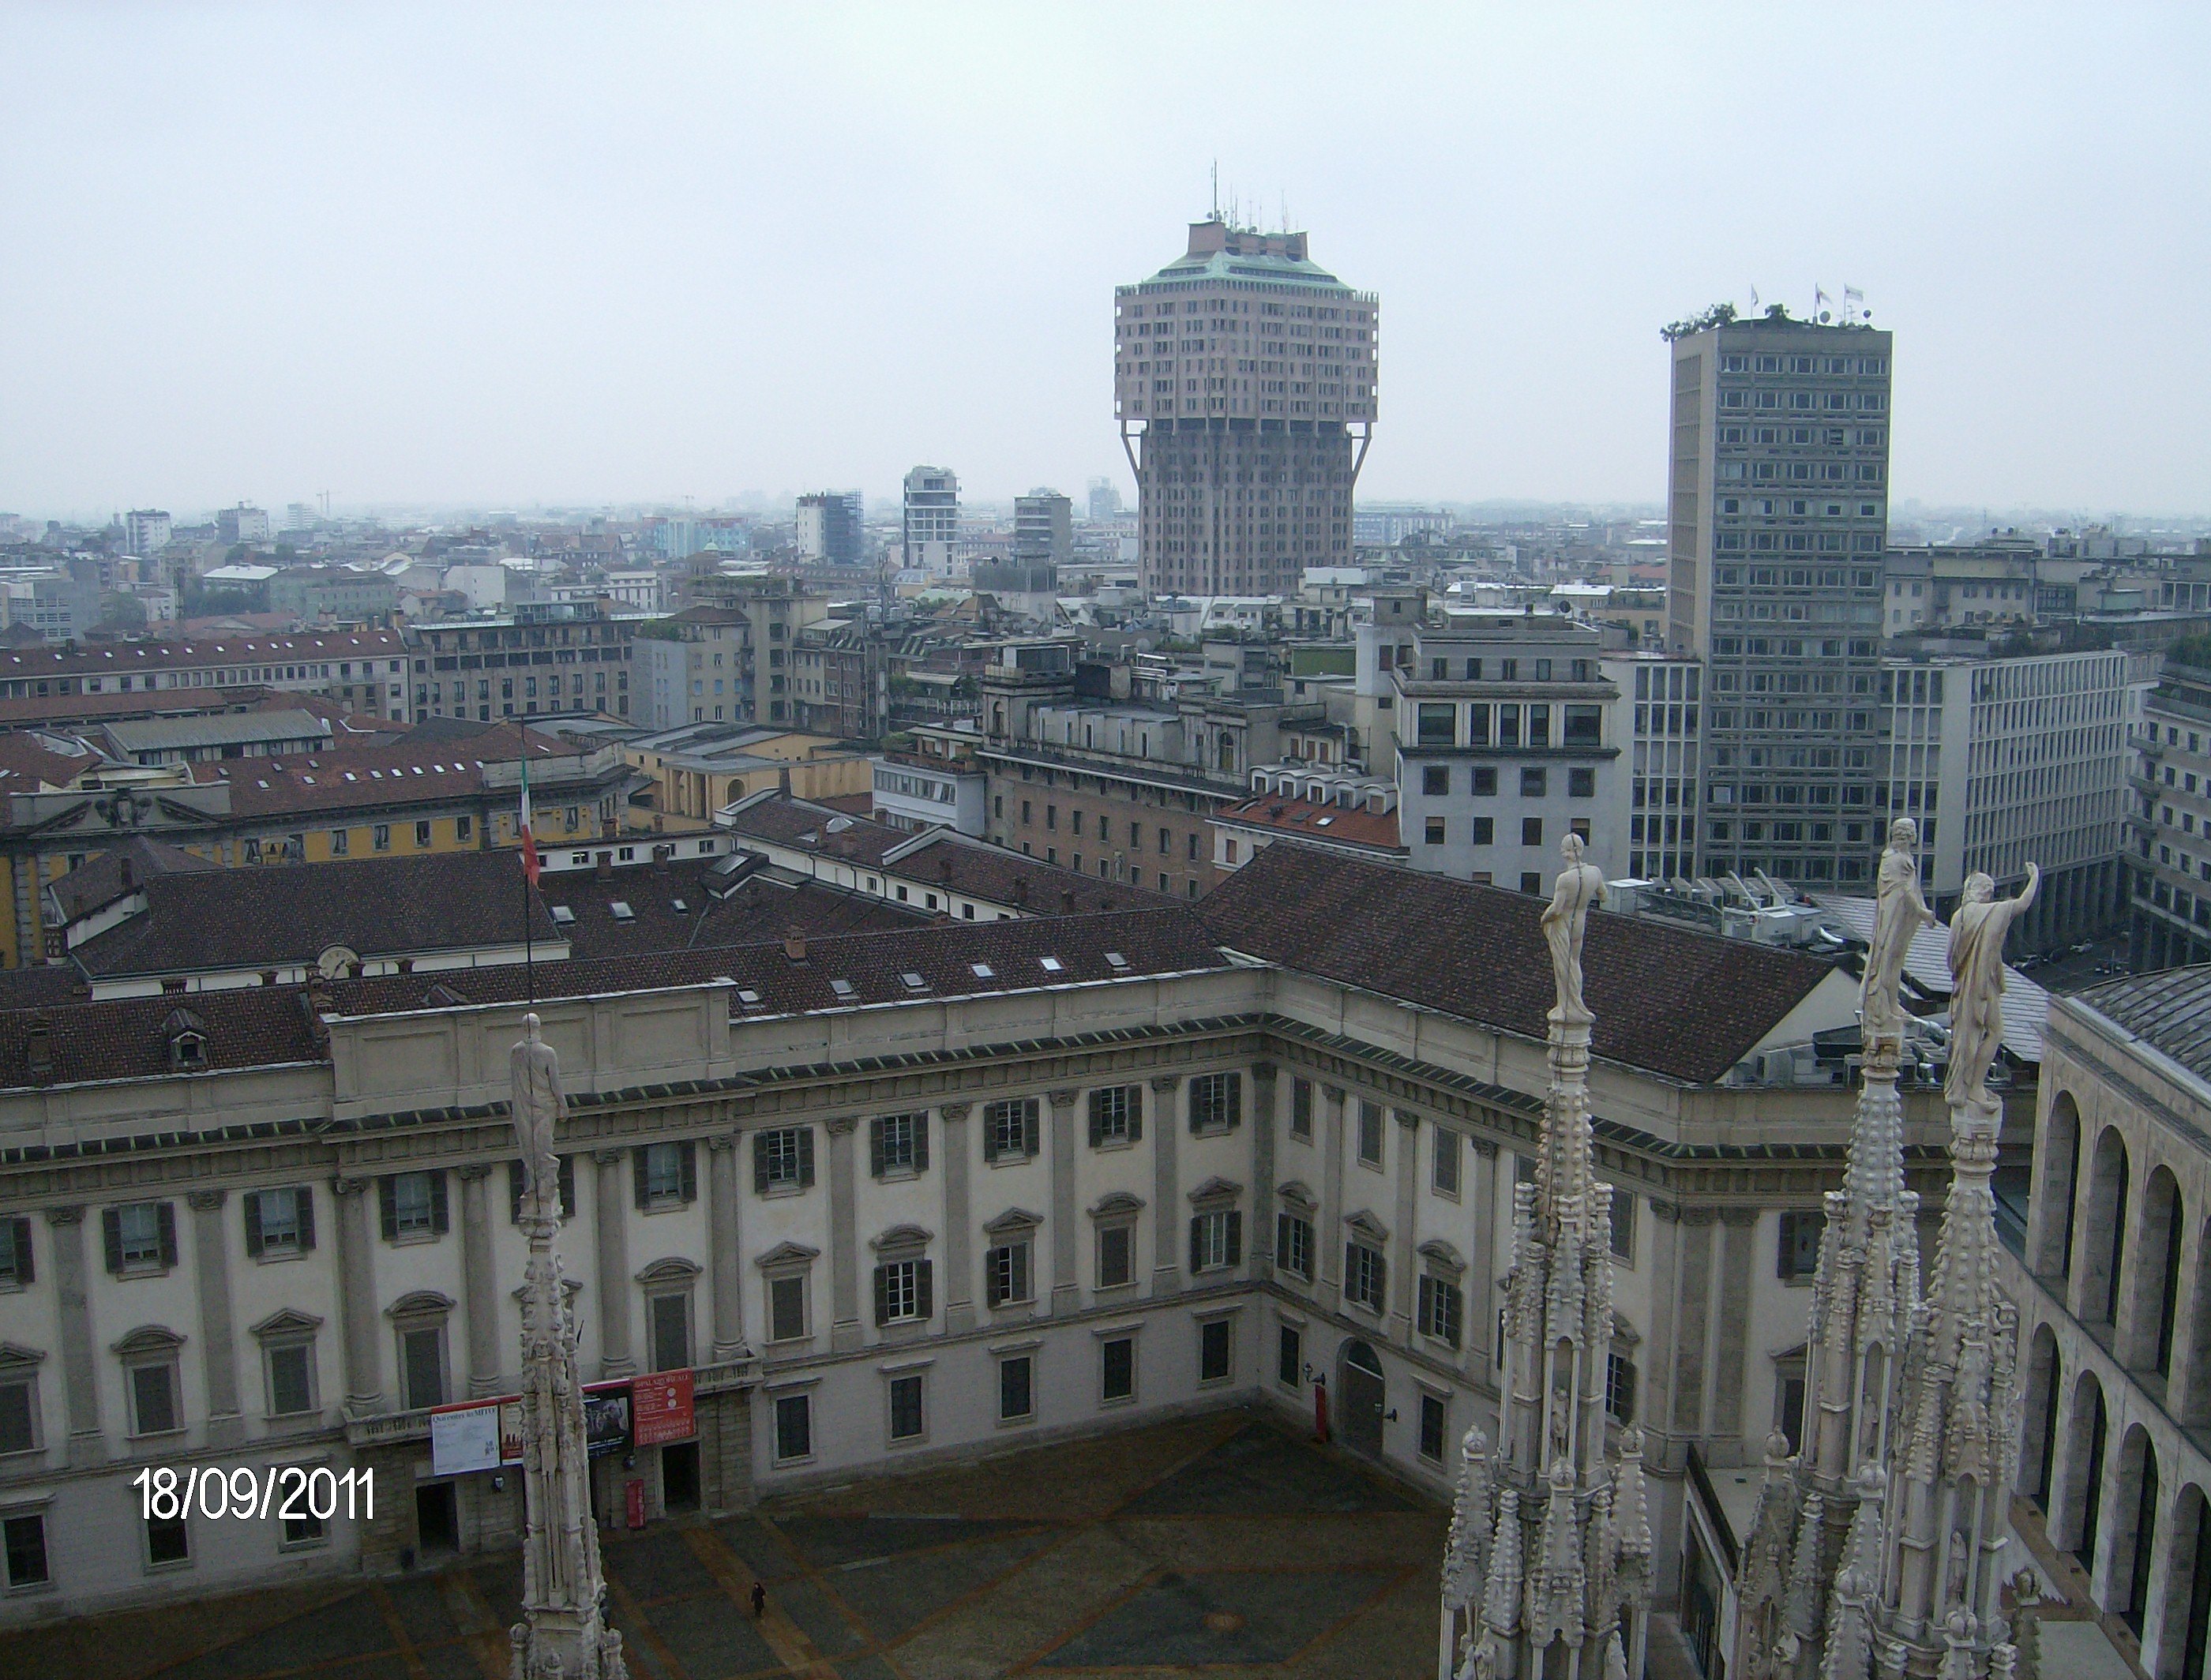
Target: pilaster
(357,1297)
(479,1281)
(1738,1243)
(1261,1250)
(87,1442)
(1405,1263)
(218,1326)
(722,1205)
(1167,1197)
(844,1239)
(1065,1296)
(611,1208)
(1327,1291)
(959,1237)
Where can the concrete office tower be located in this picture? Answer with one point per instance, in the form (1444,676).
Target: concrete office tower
(242,524)
(145,532)
(932,520)
(1240,372)
(1044,530)
(1779,505)
(829,523)
(1104,502)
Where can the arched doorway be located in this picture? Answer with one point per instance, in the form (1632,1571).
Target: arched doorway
(2038,1445)
(2059,1160)
(2186,1622)
(2106,1231)
(2134,1544)
(1360,1384)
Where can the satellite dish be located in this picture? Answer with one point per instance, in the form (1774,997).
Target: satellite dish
(336,961)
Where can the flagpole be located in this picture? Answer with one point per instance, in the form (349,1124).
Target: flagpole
(529,875)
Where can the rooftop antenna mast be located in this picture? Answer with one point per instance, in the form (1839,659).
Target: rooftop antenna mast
(1216,189)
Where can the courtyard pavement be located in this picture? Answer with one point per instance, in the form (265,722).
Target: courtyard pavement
(1222,1543)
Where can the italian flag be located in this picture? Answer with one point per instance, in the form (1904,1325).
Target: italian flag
(529,861)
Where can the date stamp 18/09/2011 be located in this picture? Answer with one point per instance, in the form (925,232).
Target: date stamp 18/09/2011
(290,1493)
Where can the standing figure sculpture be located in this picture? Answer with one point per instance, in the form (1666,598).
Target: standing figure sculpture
(540,1105)
(1900,913)
(1565,918)
(1977,942)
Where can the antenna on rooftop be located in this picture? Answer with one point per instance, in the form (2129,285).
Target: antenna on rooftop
(1216,189)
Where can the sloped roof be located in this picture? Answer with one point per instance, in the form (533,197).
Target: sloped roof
(2170,1011)
(1685,1005)
(100,881)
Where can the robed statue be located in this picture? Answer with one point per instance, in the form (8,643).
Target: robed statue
(1976,983)
(1899,912)
(540,1105)
(1565,918)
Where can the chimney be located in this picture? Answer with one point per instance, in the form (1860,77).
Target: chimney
(1021,890)
(38,1048)
(943,868)
(1067,900)
(782,781)
(794,944)
(605,871)
(125,866)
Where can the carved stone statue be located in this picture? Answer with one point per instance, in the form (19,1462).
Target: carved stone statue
(1900,913)
(1565,918)
(1977,984)
(540,1105)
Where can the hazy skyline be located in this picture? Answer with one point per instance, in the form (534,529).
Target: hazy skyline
(499,258)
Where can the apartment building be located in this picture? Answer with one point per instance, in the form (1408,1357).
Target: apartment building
(1659,716)
(1778,498)
(889,1200)
(362,670)
(1240,373)
(1506,744)
(539,658)
(930,519)
(2168,817)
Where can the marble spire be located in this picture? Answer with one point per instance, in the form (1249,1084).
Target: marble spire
(1864,1293)
(1550,1539)
(563,1634)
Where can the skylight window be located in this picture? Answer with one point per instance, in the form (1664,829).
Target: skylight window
(682,909)
(843,988)
(748,997)
(622,912)
(1114,959)
(1051,964)
(914,982)
(982,971)
(563,915)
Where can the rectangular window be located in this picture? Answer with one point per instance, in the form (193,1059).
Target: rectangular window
(665,1175)
(23,1540)
(19,1418)
(17,1270)
(1294,1245)
(1446,1146)
(1363,1275)
(1016,1389)
(1441,1305)
(1370,1134)
(1289,1357)
(1581,783)
(412,1204)
(1485,780)
(153,1398)
(905,1407)
(1584,726)
(786,1310)
(1436,725)
(1798,1252)
(1117,1116)
(168,1541)
(1533,781)
(141,1236)
(1216,1351)
(1005,1273)
(783,1159)
(291,1379)
(1435,780)
(1620,1387)
(1116,1255)
(1301,1105)
(1216,1241)
(279,1222)
(305,1530)
(1432,1427)
(422,1367)
(1623,1225)
(1216,1103)
(794,1427)
(1009,1129)
(671,1331)
(341,840)
(902,1292)
(897,1145)
(380,837)
(1432,831)
(1531,831)
(421,834)
(1484,831)
(1116,1369)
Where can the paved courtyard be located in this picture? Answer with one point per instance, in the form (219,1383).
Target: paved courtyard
(1224,1542)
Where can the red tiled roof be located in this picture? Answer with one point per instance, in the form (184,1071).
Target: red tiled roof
(1303,819)
(1685,1005)
(251,648)
(361,778)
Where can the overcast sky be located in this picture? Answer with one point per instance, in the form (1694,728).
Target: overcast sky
(504,257)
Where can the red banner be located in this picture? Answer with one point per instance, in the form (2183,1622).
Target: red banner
(634,1499)
(661,1408)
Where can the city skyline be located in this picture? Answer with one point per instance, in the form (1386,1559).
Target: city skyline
(394,306)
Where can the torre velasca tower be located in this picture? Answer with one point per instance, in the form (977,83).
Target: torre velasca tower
(1243,376)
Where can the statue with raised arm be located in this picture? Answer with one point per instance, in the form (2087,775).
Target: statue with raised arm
(540,1105)
(1565,917)
(1899,912)
(1976,983)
